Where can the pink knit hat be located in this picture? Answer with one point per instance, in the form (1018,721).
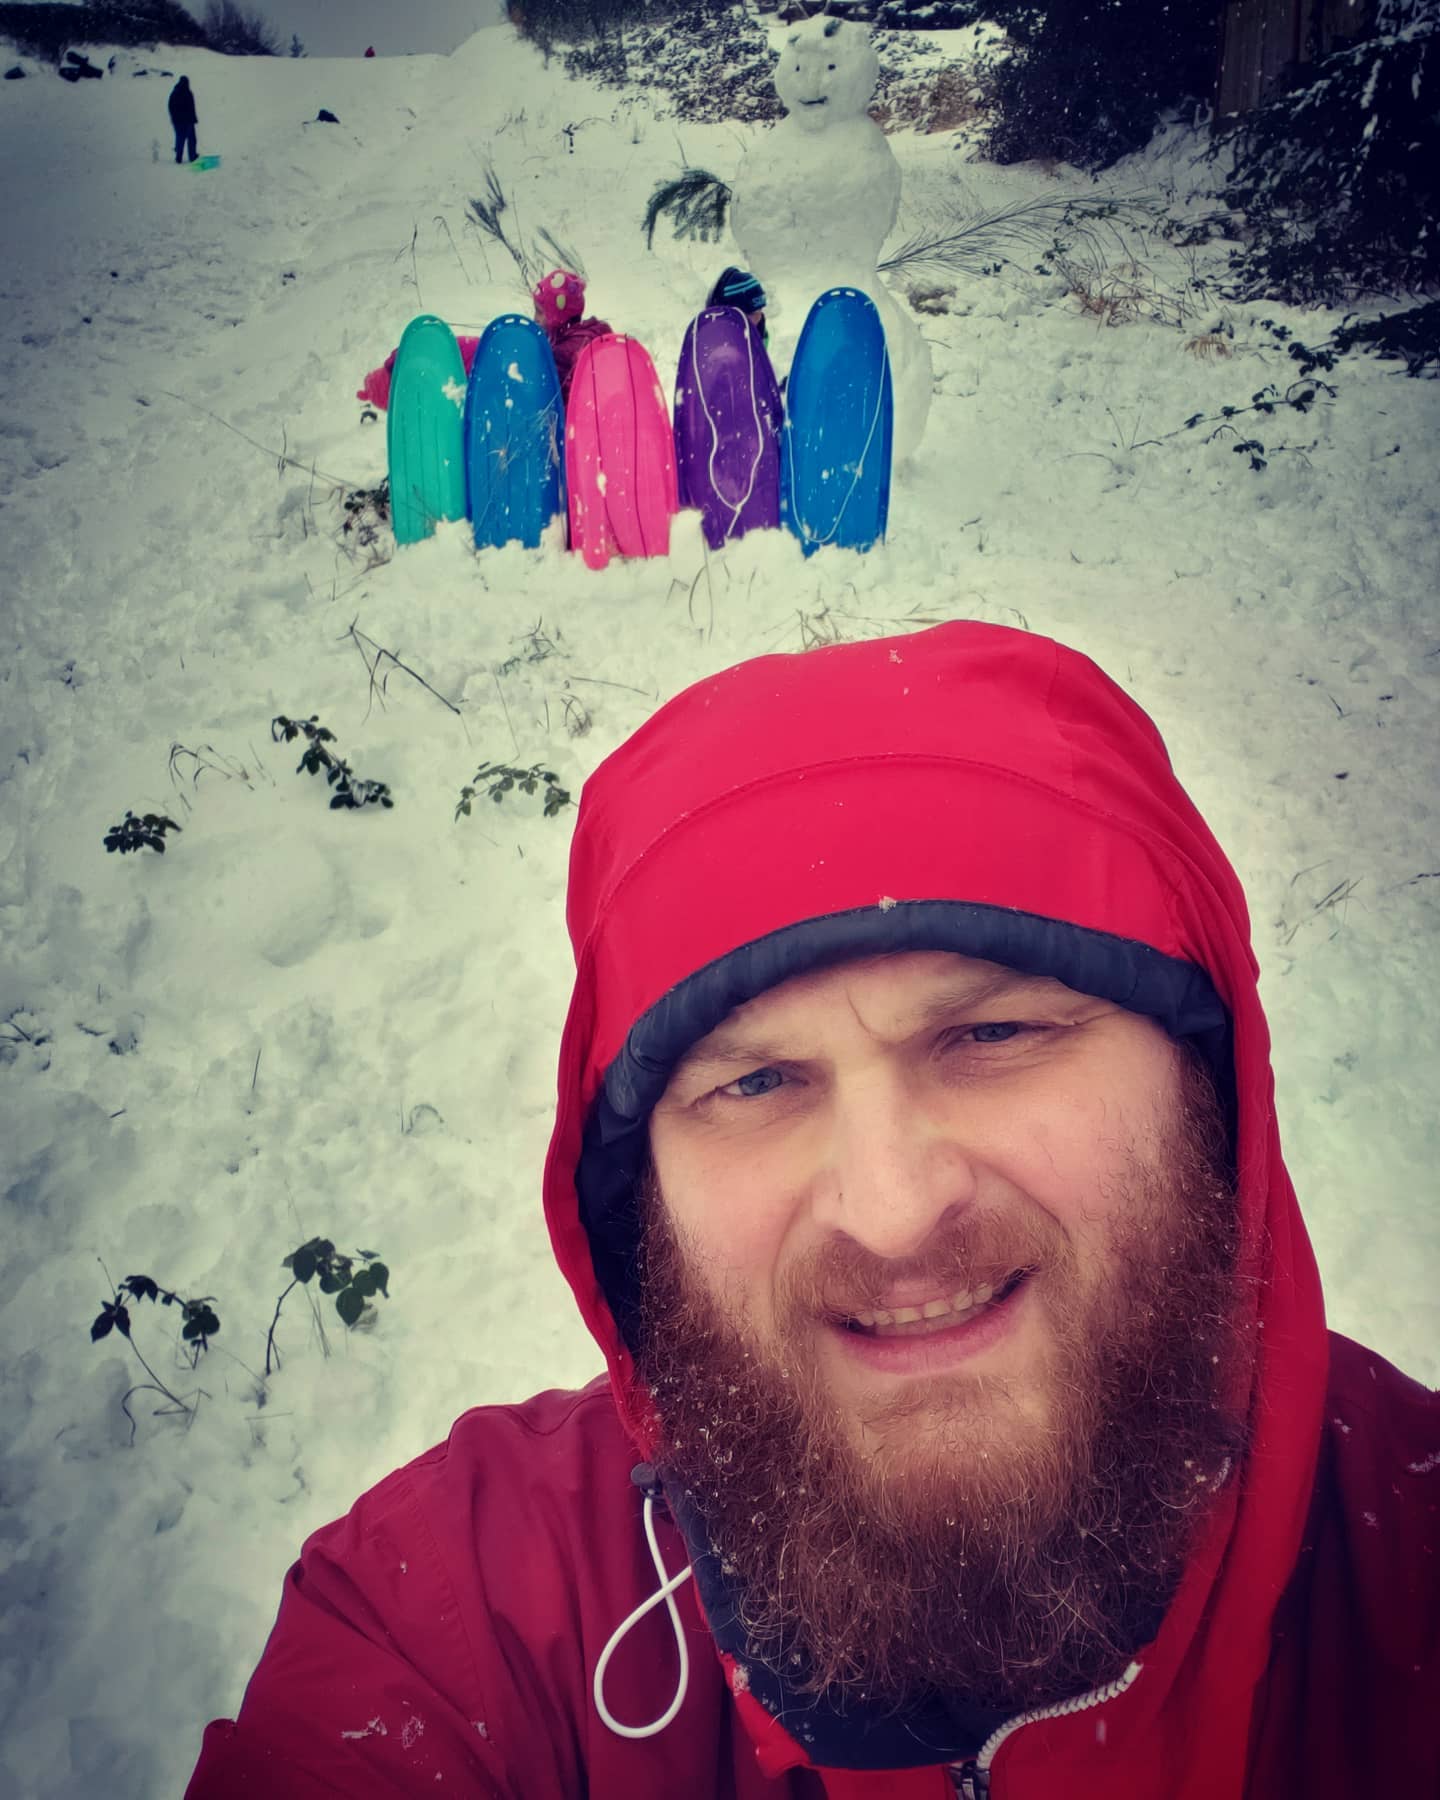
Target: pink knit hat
(558,297)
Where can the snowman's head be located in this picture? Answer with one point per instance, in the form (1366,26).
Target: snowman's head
(827,71)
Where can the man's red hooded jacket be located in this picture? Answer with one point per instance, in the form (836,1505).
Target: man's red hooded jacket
(973,788)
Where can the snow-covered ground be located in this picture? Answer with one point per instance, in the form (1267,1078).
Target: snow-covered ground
(301,1022)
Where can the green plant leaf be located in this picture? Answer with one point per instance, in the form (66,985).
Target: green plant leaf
(303,1262)
(330,1282)
(362,1283)
(381,1277)
(349,1303)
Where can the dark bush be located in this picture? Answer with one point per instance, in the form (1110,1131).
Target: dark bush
(1087,80)
(45,31)
(551,22)
(140,22)
(1338,177)
(927,15)
(233,31)
(710,62)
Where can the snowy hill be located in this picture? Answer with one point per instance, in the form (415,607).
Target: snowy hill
(300,1022)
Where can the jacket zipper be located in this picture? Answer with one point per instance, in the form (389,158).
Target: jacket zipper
(972,1777)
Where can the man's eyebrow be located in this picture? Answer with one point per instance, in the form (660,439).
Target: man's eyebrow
(728,1045)
(1002,984)
(722,1047)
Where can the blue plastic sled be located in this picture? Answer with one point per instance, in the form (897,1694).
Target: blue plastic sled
(514,434)
(839,423)
(424,430)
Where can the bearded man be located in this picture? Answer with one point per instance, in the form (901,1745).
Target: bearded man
(970,1423)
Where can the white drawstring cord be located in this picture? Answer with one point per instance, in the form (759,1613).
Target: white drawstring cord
(738,506)
(665,1592)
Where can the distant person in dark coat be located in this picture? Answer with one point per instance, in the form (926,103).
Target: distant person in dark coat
(559,300)
(183,117)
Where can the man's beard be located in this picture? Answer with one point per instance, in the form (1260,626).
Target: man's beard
(945,1541)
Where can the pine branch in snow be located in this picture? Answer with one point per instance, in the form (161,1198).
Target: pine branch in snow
(1030,227)
(695,200)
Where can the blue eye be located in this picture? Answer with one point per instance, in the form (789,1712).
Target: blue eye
(998,1033)
(757,1082)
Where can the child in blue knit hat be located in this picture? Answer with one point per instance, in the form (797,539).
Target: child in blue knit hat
(739,288)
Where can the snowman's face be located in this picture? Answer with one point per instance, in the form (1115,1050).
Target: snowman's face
(827,71)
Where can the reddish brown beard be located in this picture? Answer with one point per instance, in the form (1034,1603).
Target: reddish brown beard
(1010,1568)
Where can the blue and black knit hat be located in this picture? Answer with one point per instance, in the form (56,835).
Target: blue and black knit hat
(737,287)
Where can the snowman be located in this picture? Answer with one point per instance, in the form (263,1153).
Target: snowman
(815,199)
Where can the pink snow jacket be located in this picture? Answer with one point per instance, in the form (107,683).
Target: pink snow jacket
(375,389)
(567,341)
(992,789)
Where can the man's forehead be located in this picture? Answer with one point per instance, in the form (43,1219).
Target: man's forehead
(906,989)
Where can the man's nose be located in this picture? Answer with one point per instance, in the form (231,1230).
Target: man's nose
(897,1166)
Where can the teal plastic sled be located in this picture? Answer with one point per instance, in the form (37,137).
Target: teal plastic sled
(425,430)
(206,162)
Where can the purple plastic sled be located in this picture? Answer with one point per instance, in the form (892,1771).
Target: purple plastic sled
(727,426)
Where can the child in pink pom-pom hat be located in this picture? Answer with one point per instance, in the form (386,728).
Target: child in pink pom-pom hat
(559,300)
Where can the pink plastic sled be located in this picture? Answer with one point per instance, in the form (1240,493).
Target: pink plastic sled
(619,454)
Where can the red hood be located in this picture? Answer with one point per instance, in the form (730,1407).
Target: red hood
(967,762)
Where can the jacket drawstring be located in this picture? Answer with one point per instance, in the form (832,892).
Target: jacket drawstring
(644,1477)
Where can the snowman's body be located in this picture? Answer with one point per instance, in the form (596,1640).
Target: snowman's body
(815,199)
